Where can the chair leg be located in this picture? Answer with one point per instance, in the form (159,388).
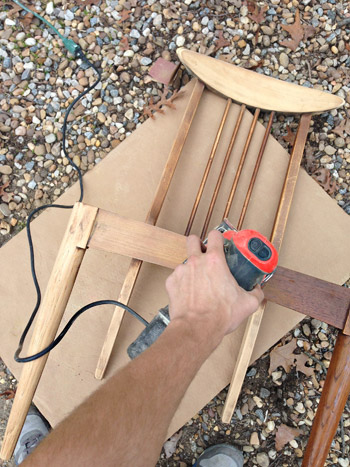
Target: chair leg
(57,294)
(334,396)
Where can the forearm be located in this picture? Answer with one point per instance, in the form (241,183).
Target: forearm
(125,422)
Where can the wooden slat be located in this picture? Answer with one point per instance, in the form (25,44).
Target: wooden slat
(257,90)
(208,167)
(222,172)
(241,164)
(243,360)
(278,230)
(49,316)
(290,181)
(335,393)
(255,172)
(306,294)
(175,152)
(152,217)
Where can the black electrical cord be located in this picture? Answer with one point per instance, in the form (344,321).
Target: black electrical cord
(58,339)
(79,54)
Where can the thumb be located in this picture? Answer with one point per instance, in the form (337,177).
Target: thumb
(257,293)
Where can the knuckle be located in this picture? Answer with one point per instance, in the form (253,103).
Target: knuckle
(179,270)
(192,260)
(215,236)
(214,257)
(215,233)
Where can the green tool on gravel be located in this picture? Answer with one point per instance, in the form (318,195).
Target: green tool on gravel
(69,44)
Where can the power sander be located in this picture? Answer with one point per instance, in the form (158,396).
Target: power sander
(252,260)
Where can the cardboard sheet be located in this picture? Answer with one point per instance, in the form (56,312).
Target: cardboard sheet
(316,243)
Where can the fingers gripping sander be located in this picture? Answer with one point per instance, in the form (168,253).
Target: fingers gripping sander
(252,260)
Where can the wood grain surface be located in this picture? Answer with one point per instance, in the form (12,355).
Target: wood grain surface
(300,292)
(49,316)
(277,235)
(335,394)
(257,90)
(151,218)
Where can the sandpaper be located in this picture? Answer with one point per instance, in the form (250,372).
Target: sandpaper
(316,243)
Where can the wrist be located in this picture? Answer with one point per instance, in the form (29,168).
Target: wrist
(198,330)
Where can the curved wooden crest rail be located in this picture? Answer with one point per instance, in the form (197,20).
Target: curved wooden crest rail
(249,89)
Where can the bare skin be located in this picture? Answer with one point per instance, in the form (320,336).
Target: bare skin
(125,422)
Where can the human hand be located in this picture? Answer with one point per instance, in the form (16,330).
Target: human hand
(203,291)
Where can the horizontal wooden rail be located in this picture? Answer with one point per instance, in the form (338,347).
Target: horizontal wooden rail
(306,294)
(139,240)
(314,297)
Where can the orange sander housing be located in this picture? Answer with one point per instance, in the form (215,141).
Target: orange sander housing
(252,260)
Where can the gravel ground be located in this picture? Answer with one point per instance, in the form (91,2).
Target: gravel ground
(125,38)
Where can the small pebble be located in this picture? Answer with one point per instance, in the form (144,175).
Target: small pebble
(254,439)
(262,459)
(134,33)
(51,138)
(129,114)
(284,60)
(69,15)
(264,393)
(32,184)
(251,372)
(145,61)
(49,8)
(30,41)
(246,51)
(339,142)
(330,150)
(4,209)
(158,20)
(270,426)
(40,150)
(29,165)
(316,324)
(180,41)
(5,170)
(300,408)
